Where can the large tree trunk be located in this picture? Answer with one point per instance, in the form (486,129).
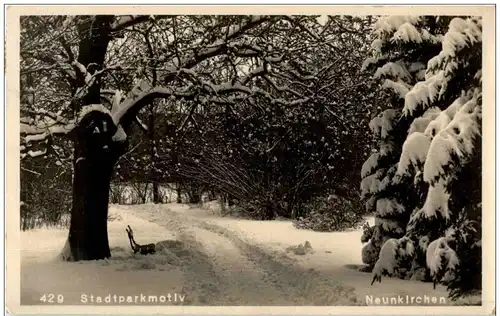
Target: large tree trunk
(95,153)
(94,158)
(88,236)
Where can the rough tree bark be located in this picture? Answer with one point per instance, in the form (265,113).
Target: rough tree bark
(95,156)
(94,152)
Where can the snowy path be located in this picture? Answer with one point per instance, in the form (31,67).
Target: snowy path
(319,278)
(240,273)
(210,260)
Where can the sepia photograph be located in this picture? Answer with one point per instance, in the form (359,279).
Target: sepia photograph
(225,158)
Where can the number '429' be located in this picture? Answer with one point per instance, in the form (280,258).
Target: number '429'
(52,298)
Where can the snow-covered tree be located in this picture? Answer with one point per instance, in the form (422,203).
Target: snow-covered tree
(401,48)
(448,158)
(440,162)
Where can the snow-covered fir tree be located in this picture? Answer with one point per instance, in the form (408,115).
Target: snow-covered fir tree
(401,48)
(439,163)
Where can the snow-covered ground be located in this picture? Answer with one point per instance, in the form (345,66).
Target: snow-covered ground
(208,260)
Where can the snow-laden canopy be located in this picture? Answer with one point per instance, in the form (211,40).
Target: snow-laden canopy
(441,68)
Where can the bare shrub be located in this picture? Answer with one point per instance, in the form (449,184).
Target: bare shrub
(331,214)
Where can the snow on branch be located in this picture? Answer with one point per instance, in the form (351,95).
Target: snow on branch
(281,88)
(414,153)
(51,125)
(36,137)
(89,79)
(461,33)
(91,108)
(441,68)
(455,142)
(437,201)
(388,24)
(370,165)
(381,125)
(125,21)
(376,46)
(388,179)
(425,93)
(368,62)
(442,119)
(388,206)
(371,183)
(34,153)
(420,124)
(82,69)
(216,47)
(43,129)
(127,110)
(234,30)
(393,70)
(48,115)
(386,262)
(390,256)
(440,258)
(407,32)
(143,126)
(399,87)
(389,225)
(120,135)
